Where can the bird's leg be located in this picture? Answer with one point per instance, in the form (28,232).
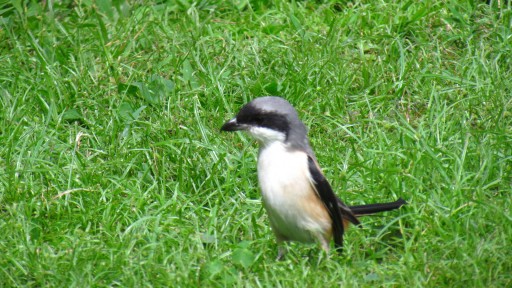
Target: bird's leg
(324,242)
(281,251)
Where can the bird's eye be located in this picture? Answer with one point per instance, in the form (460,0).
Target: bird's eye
(258,119)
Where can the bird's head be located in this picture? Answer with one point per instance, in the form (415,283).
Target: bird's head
(269,119)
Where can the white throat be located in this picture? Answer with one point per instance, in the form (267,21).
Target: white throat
(266,136)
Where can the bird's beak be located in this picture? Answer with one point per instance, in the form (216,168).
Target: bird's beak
(232,125)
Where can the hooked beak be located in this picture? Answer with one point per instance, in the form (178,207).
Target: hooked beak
(232,125)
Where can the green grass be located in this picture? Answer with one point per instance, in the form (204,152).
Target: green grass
(113,171)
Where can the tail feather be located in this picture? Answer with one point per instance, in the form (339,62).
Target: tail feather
(367,209)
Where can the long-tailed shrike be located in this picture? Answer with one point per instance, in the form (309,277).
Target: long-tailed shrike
(300,203)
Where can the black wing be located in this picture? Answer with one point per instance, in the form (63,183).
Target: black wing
(331,202)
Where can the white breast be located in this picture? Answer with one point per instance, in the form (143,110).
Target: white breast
(286,189)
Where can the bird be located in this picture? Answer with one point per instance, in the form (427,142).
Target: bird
(300,203)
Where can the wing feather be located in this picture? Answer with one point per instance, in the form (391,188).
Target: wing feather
(331,202)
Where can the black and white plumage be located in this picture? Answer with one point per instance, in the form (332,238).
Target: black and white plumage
(299,200)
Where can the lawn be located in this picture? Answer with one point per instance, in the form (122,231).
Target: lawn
(113,171)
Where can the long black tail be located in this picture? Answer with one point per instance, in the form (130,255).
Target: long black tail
(367,209)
